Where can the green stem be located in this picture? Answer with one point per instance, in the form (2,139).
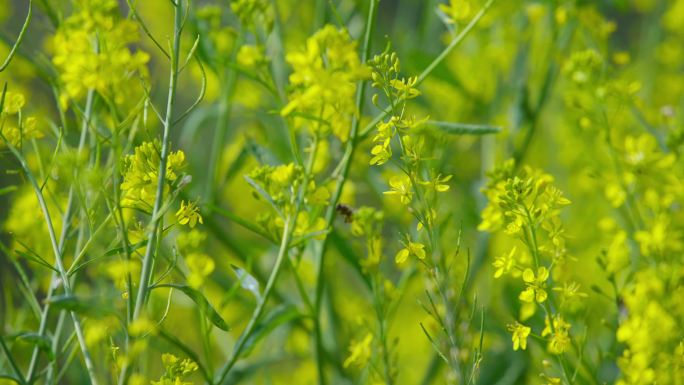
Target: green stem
(66,219)
(288,231)
(148,259)
(17,43)
(58,260)
(342,177)
(437,61)
(221,124)
(13,364)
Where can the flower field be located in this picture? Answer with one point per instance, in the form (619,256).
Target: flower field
(342,192)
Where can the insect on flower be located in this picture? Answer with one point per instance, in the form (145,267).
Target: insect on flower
(346,211)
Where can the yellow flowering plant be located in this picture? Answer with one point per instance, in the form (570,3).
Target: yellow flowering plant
(341,192)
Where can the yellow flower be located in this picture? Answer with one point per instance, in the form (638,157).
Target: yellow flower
(504,263)
(439,183)
(412,249)
(457,10)
(551,380)
(188,214)
(250,56)
(570,291)
(176,370)
(560,338)
(14,102)
(360,352)
(401,185)
(200,266)
(536,285)
(405,87)
(140,174)
(283,174)
(92,50)
(324,78)
(520,333)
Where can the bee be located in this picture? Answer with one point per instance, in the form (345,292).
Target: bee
(346,211)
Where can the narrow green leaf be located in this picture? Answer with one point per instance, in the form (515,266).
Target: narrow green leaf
(8,189)
(199,299)
(37,259)
(434,344)
(242,222)
(42,342)
(452,128)
(247,281)
(263,193)
(280,315)
(131,248)
(83,306)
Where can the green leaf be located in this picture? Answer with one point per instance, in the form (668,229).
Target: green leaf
(8,189)
(247,281)
(131,248)
(452,128)
(199,299)
(280,315)
(263,194)
(42,342)
(37,259)
(83,306)
(242,222)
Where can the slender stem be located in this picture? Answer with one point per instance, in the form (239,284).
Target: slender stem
(342,177)
(13,364)
(437,61)
(55,344)
(66,220)
(221,123)
(282,254)
(161,179)
(546,306)
(288,230)
(58,260)
(17,43)
(148,259)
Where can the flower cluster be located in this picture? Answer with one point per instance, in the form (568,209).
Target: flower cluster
(367,222)
(176,370)
(92,52)
(398,90)
(280,186)
(323,83)
(526,205)
(141,173)
(200,265)
(16,129)
(251,11)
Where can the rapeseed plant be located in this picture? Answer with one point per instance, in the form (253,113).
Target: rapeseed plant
(258,192)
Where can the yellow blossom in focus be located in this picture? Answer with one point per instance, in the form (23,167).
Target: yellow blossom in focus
(536,285)
(504,263)
(323,80)
(412,249)
(401,186)
(140,175)
(188,214)
(520,334)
